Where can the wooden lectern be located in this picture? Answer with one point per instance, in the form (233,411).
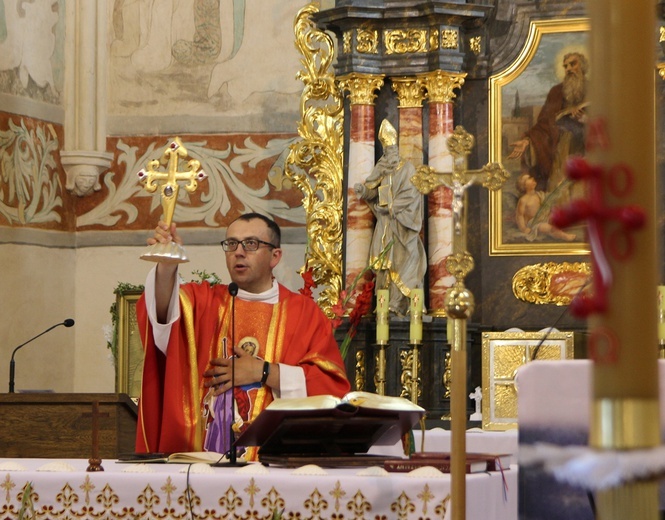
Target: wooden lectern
(36,425)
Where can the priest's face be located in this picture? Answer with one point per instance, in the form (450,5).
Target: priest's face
(252,270)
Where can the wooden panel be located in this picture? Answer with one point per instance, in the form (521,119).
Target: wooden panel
(60,425)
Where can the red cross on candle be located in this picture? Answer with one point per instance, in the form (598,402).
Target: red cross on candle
(618,181)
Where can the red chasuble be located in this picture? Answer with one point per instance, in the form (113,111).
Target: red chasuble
(294,332)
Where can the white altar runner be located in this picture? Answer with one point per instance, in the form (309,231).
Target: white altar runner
(63,489)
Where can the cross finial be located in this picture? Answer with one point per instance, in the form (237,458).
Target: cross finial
(151,176)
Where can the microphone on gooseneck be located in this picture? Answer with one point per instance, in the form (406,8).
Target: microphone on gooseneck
(12,365)
(233,291)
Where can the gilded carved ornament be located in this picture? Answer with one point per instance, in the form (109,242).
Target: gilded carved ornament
(441,85)
(362,88)
(314,164)
(449,39)
(475,44)
(367,41)
(346,41)
(551,282)
(410,91)
(403,41)
(360,370)
(433,39)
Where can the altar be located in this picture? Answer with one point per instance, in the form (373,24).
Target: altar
(59,489)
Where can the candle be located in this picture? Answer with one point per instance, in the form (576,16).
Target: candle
(382,299)
(416,323)
(621,141)
(623,337)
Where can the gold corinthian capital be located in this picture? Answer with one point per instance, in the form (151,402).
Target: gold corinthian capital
(440,85)
(410,91)
(362,87)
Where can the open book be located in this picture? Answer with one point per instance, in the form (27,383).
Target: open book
(325,425)
(190,457)
(350,402)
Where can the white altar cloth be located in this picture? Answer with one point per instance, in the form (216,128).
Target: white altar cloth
(159,491)
(477,441)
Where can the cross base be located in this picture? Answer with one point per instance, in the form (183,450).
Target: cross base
(171,253)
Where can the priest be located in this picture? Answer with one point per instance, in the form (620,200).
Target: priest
(191,389)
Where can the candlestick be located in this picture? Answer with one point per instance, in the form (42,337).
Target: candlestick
(382,327)
(416,324)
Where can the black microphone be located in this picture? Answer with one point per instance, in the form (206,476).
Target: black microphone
(67,323)
(233,291)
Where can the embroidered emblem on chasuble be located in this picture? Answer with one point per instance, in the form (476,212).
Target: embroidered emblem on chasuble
(264,322)
(267,323)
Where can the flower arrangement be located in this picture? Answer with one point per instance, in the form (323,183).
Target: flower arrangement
(363,298)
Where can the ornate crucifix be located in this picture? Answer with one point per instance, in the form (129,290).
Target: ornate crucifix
(459,300)
(151,178)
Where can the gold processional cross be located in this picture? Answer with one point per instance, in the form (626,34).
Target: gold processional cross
(459,300)
(171,252)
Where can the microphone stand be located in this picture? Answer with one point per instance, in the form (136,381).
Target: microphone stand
(233,455)
(233,289)
(12,364)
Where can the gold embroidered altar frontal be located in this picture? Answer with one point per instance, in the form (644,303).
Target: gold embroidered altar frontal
(503,354)
(48,489)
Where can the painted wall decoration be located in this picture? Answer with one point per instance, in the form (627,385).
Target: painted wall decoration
(32,49)
(245,173)
(537,121)
(198,57)
(30,184)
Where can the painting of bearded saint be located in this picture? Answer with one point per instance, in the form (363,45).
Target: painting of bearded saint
(541,125)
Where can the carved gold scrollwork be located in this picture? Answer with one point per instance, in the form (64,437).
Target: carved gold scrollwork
(449,39)
(409,378)
(405,375)
(360,370)
(551,282)
(367,41)
(346,42)
(315,164)
(403,41)
(475,44)
(433,39)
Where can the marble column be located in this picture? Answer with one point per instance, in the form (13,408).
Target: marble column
(359,219)
(84,156)
(410,95)
(440,86)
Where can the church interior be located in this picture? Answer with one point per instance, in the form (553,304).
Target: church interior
(288,106)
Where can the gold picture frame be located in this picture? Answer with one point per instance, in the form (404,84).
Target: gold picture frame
(516,96)
(503,353)
(129,370)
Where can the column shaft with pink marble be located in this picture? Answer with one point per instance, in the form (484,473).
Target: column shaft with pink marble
(359,219)
(440,86)
(410,95)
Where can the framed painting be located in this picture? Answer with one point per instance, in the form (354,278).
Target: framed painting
(129,349)
(503,354)
(537,121)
